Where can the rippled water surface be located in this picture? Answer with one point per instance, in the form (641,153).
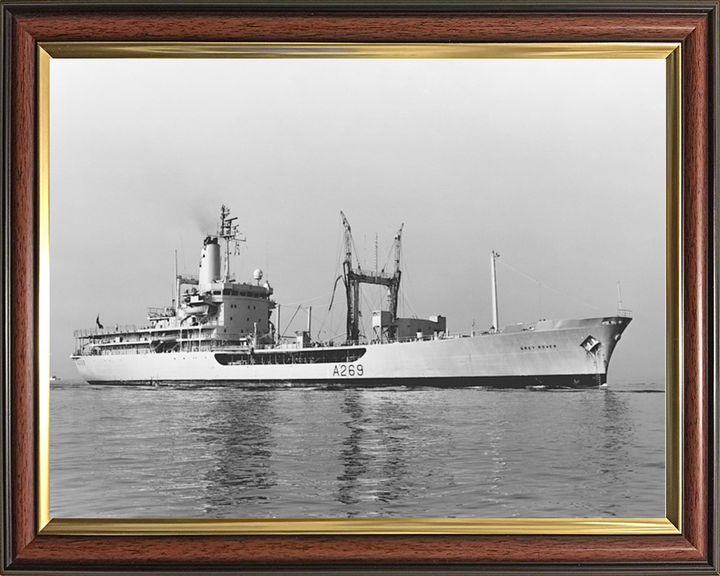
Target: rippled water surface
(231,452)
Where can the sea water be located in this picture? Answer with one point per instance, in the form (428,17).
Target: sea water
(233,452)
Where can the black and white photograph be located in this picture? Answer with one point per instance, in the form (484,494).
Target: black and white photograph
(357,288)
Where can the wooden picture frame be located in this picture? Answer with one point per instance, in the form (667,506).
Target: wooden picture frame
(689,541)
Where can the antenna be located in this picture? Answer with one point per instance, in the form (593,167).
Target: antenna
(182,247)
(619,296)
(229,232)
(376,253)
(176,301)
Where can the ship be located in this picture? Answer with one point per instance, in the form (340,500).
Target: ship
(222,331)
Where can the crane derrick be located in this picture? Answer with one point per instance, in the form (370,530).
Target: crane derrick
(354,276)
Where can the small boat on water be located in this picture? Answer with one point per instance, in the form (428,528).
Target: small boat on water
(221,330)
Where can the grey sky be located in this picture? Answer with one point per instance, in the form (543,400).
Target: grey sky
(559,165)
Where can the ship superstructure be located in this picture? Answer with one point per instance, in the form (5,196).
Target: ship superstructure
(221,330)
(210,310)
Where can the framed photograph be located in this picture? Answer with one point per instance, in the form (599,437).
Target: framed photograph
(321,288)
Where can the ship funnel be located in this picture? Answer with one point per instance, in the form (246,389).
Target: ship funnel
(210,261)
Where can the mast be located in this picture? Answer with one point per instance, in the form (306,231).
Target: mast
(228,232)
(495,324)
(277,328)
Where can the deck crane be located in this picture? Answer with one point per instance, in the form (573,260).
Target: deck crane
(354,276)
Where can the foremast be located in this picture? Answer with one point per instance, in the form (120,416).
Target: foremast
(495,325)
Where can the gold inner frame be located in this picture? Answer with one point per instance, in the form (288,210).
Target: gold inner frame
(670,52)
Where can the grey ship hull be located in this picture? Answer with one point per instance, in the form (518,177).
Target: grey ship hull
(554,353)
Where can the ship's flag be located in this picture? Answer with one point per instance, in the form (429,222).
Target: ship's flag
(97,321)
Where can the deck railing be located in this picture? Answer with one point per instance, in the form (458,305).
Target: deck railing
(106,331)
(188,331)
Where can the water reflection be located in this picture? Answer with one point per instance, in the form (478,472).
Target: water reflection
(617,429)
(393,421)
(239,432)
(375,451)
(495,465)
(613,458)
(355,463)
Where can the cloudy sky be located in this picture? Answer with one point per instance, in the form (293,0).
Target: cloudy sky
(558,165)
